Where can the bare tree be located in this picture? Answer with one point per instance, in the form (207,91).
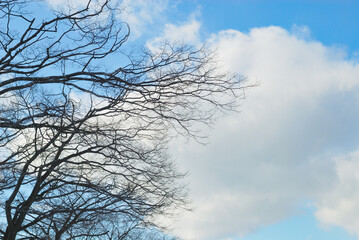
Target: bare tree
(84,126)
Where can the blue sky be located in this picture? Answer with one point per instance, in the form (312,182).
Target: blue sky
(330,21)
(287,165)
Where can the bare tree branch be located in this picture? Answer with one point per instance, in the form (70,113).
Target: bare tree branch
(83,139)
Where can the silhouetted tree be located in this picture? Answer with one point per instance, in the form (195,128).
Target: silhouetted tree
(84,126)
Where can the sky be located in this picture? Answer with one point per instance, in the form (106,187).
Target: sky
(286,166)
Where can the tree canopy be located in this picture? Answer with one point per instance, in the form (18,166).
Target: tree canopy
(84,126)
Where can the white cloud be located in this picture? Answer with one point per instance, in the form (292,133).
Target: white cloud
(142,14)
(340,205)
(263,163)
(185,33)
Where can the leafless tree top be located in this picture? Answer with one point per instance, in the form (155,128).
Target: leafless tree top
(84,126)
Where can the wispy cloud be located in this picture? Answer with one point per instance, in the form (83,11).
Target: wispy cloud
(185,33)
(67,4)
(142,14)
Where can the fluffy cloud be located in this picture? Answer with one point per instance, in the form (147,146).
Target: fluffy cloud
(280,151)
(340,205)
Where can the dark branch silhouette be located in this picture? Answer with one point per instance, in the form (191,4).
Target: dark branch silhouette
(84,126)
